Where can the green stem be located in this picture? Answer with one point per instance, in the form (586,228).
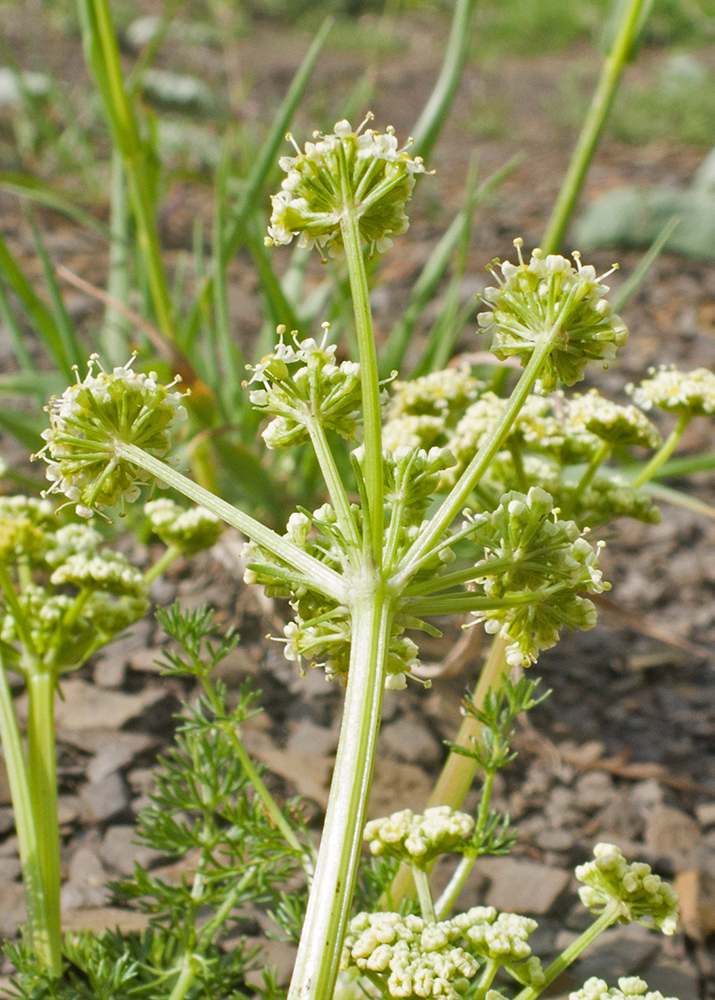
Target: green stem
(424,894)
(593,125)
(335,486)
(607,918)
(103,57)
(42,773)
(664,452)
(318,576)
(330,899)
(45,945)
(453,888)
(190,965)
(455,500)
(372,418)
(600,456)
(485,980)
(269,803)
(11,598)
(162,564)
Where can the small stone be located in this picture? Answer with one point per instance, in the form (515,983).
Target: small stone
(522,886)
(110,672)
(68,809)
(7,820)
(403,783)
(113,757)
(706,814)
(84,706)
(409,740)
(673,978)
(620,818)
(593,790)
(279,956)
(307,738)
(646,795)
(12,908)
(103,918)
(86,883)
(101,802)
(149,661)
(555,840)
(10,869)
(619,951)
(670,832)
(120,852)
(696,892)
(235,668)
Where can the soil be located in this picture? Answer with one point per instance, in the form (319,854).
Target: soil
(624,749)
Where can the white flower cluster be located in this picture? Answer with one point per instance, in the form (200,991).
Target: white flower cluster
(535,567)
(320,389)
(548,294)
(87,422)
(189,530)
(501,936)
(102,570)
(618,425)
(73,539)
(418,839)
(629,988)
(439,393)
(691,393)
(637,891)
(416,959)
(23,524)
(362,171)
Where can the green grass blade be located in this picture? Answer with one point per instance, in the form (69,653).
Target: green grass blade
(26,427)
(644,265)
(37,311)
(38,191)
(31,383)
(679,499)
(436,110)
(280,309)
(71,347)
(264,163)
(22,355)
(116,328)
(393,352)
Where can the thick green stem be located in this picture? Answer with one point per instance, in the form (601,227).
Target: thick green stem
(190,966)
(372,418)
(664,452)
(453,888)
(318,576)
(607,918)
(424,894)
(328,911)
(44,943)
(42,771)
(455,500)
(593,126)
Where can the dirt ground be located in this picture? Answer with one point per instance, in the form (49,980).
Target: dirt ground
(624,749)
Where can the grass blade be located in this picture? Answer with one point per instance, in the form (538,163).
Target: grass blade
(38,191)
(71,347)
(645,264)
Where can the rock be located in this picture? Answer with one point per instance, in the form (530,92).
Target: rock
(410,740)
(646,795)
(308,772)
(86,883)
(102,918)
(112,757)
(279,956)
(593,790)
(120,852)
(110,672)
(94,741)
(670,832)
(620,818)
(706,814)
(68,809)
(307,738)
(522,886)
(149,661)
(561,809)
(556,839)
(619,951)
(398,783)
(236,667)
(7,820)
(12,908)
(673,978)
(102,801)
(84,706)
(5,797)
(10,869)
(696,891)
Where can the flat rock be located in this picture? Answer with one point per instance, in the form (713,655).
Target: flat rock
(522,886)
(7,820)
(94,741)
(620,951)
(110,672)
(112,757)
(670,832)
(97,919)
(593,790)
(10,869)
(308,738)
(706,815)
(102,801)
(279,957)
(120,852)
(696,892)
(409,740)
(620,817)
(86,883)
(308,772)
(149,661)
(68,809)
(85,706)
(673,978)
(403,783)
(12,908)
